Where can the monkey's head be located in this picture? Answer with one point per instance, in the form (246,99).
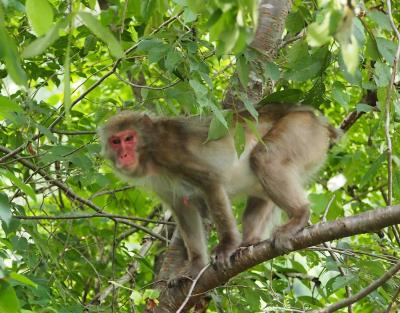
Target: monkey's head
(123,142)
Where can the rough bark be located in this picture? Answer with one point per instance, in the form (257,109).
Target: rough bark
(271,23)
(368,222)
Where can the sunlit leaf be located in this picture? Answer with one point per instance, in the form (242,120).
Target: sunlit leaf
(39,45)
(5,208)
(11,58)
(19,183)
(40,15)
(22,279)
(240,139)
(102,33)
(373,170)
(8,299)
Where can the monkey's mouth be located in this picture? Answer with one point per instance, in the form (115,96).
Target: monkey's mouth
(127,168)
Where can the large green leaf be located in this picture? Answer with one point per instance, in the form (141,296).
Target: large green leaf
(39,45)
(5,208)
(40,15)
(8,299)
(9,53)
(102,33)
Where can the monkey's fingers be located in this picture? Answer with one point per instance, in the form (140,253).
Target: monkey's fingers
(222,254)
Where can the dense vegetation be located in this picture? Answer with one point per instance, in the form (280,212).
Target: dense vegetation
(66,66)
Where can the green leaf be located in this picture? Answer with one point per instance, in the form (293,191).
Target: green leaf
(8,299)
(372,171)
(196,5)
(20,184)
(318,33)
(217,129)
(253,127)
(310,69)
(40,15)
(22,279)
(295,22)
(381,19)
(9,54)
(8,107)
(102,33)
(249,106)
(271,71)
(199,89)
(363,107)
(339,94)
(387,48)
(283,96)
(371,49)
(173,59)
(297,55)
(5,208)
(382,74)
(39,45)
(240,139)
(243,70)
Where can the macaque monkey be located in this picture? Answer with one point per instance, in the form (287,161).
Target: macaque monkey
(174,159)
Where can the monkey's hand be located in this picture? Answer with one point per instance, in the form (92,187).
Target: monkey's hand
(224,250)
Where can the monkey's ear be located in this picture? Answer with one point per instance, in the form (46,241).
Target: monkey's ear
(146,120)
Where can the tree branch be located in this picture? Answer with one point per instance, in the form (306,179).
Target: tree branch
(371,221)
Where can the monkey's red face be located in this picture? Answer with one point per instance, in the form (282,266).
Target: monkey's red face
(123,144)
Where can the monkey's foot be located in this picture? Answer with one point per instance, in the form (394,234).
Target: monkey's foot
(222,253)
(282,239)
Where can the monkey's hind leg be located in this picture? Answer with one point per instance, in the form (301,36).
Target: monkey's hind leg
(284,187)
(256,217)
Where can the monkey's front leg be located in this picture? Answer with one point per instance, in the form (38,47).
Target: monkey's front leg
(190,225)
(221,213)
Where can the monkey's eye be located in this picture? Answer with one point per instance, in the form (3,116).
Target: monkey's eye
(116,141)
(129,138)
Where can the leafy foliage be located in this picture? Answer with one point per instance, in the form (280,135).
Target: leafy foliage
(65,66)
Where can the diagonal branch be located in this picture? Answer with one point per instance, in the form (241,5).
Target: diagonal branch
(371,221)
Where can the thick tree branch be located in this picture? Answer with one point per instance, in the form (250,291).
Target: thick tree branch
(368,222)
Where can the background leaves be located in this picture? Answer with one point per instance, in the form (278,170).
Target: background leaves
(177,58)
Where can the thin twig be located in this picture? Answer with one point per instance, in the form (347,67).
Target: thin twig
(84,216)
(74,133)
(328,206)
(146,86)
(192,288)
(393,300)
(363,293)
(110,192)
